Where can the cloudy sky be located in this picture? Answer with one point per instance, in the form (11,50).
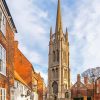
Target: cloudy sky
(33,19)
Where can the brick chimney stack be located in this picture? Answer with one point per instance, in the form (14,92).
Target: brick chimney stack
(78,78)
(16,44)
(86,80)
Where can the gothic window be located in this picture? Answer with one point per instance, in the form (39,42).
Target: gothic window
(53,73)
(65,73)
(56,73)
(57,55)
(54,56)
(55,87)
(66,95)
(65,86)
(64,56)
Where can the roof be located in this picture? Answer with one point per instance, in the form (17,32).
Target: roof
(78,85)
(17,77)
(9,14)
(98,78)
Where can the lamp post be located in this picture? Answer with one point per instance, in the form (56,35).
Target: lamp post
(93,80)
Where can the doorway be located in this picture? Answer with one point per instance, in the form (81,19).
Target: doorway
(81,98)
(89,98)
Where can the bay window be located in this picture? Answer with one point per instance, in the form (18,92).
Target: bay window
(2,60)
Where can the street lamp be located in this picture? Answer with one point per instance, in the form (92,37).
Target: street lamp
(93,80)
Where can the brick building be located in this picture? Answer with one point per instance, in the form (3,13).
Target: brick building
(82,91)
(21,90)
(7,30)
(23,66)
(41,87)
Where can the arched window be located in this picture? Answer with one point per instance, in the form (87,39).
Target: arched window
(55,87)
(66,95)
(54,56)
(56,73)
(57,55)
(53,73)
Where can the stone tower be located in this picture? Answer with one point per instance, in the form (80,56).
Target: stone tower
(58,67)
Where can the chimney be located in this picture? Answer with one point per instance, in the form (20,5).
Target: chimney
(86,80)
(78,78)
(16,44)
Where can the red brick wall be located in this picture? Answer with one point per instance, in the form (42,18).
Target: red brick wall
(7,42)
(22,66)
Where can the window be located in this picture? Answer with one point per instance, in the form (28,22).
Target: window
(56,73)
(53,73)
(2,60)
(65,73)
(55,87)
(12,95)
(54,56)
(21,89)
(2,94)
(57,55)
(66,95)
(2,22)
(64,56)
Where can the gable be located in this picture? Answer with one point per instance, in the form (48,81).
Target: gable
(79,85)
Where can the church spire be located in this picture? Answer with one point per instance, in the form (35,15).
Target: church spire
(58,19)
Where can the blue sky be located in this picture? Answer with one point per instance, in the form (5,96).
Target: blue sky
(33,19)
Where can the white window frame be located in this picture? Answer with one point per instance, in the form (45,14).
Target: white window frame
(2,60)
(2,94)
(2,23)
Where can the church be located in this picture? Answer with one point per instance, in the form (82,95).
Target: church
(58,66)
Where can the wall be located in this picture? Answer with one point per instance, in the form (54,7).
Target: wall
(22,66)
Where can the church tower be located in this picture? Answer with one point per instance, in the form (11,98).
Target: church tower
(58,66)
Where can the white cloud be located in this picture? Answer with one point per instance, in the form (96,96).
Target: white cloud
(85,49)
